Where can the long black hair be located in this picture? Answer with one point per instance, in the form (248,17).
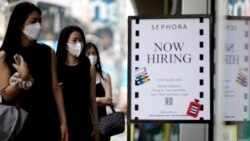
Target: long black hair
(98,65)
(13,33)
(61,51)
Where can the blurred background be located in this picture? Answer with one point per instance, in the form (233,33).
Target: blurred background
(103,22)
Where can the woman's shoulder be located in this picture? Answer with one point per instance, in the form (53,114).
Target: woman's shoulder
(105,74)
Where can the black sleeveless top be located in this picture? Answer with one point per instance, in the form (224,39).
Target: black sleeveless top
(38,101)
(76,87)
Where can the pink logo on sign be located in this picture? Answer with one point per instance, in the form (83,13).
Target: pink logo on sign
(194,108)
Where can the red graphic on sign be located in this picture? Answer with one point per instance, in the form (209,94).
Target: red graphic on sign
(194,108)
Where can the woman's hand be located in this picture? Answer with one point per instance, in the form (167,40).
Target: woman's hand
(21,66)
(95,133)
(64,133)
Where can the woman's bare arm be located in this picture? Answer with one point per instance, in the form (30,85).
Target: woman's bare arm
(107,99)
(58,98)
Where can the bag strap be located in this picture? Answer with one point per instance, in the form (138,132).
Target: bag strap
(112,107)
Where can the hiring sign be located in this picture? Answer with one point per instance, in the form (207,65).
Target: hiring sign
(170,68)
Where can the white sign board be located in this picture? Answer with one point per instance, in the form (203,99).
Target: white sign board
(170,68)
(237,70)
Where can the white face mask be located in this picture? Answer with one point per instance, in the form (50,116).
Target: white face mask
(92,59)
(32,31)
(75,49)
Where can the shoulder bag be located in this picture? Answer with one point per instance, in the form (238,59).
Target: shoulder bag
(112,124)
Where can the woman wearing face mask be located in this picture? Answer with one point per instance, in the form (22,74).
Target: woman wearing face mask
(33,64)
(77,80)
(103,83)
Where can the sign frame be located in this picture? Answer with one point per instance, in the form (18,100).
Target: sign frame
(131,80)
